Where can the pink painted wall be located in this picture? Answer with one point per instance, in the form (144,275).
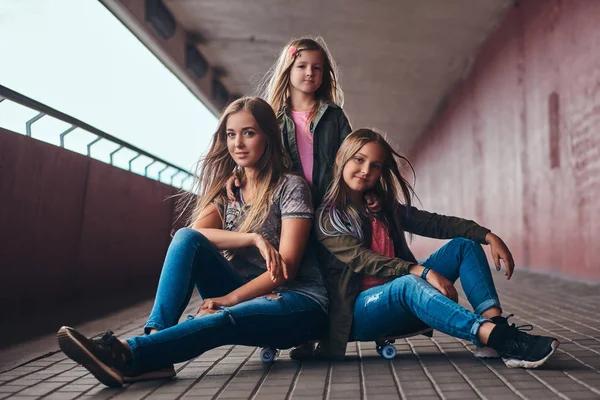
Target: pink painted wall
(518,147)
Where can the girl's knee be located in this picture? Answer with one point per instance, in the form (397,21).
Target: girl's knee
(466,245)
(220,318)
(463,242)
(413,279)
(188,235)
(407,288)
(406,282)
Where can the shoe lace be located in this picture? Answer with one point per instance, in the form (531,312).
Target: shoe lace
(104,337)
(522,328)
(517,335)
(109,343)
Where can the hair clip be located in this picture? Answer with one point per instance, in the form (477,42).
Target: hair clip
(293,52)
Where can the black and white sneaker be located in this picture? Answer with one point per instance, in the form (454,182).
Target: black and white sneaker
(303,352)
(488,352)
(519,349)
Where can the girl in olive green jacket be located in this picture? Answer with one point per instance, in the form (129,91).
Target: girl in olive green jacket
(303,89)
(376,287)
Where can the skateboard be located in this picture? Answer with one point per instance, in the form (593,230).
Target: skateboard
(384,346)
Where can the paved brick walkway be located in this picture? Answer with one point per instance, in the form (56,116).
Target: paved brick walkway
(442,367)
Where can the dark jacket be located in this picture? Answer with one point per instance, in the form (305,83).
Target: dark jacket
(330,127)
(347,259)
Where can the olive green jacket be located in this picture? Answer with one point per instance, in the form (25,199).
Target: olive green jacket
(330,127)
(346,259)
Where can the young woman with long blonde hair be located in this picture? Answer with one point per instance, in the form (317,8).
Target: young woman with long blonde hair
(246,257)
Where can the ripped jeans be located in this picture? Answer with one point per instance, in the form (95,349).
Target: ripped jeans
(281,321)
(408,303)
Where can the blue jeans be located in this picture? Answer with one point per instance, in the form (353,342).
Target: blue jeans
(408,303)
(284,321)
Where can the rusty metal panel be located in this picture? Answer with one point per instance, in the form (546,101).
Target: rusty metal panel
(518,147)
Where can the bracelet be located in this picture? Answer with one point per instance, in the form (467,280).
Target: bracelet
(424,273)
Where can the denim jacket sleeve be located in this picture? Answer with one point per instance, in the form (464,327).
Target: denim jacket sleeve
(351,251)
(424,223)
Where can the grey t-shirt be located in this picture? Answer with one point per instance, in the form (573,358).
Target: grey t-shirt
(292,199)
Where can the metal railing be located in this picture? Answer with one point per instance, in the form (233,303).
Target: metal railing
(43,111)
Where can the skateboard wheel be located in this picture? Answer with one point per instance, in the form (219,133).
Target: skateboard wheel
(388,352)
(378,349)
(268,355)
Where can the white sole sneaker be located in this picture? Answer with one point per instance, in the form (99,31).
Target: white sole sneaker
(485,352)
(516,363)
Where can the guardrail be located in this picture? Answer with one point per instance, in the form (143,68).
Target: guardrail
(184,178)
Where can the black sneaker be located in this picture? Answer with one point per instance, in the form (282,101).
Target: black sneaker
(106,358)
(303,352)
(488,352)
(519,349)
(500,320)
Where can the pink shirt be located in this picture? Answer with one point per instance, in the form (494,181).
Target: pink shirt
(381,243)
(304,140)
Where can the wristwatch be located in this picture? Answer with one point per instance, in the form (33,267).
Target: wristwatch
(424,273)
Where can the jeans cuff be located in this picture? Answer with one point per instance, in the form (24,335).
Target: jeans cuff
(475,329)
(152,325)
(132,347)
(486,305)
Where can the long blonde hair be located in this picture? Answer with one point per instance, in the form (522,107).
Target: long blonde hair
(392,188)
(214,169)
(275,86)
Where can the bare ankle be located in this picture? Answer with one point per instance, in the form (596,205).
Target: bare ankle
(491,313)
(483,334)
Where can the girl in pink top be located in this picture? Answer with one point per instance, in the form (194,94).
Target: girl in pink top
(381,242)
(304,141)
(303,89)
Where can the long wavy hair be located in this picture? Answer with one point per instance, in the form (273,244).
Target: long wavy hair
(215,168)
(391,189)
(275,86)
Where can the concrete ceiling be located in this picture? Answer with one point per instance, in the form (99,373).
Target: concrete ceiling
(398,59)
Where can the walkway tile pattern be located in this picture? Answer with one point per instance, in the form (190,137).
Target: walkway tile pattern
(438,368)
